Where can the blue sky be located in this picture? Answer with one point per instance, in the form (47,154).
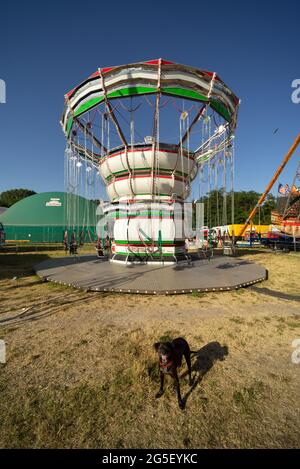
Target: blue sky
(46,49)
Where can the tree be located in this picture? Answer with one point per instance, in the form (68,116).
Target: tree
(8,198)
(244,201)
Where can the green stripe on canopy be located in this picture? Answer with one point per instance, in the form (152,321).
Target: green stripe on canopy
(88,105)
(145,169)
(69,125)
(114,94)
(139,90)
(184,93)
(131,91)
(217,106)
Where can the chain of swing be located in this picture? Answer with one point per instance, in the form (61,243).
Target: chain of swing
(215,170)
(80,183)
(216,179)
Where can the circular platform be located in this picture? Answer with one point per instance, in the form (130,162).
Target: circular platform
(89,273)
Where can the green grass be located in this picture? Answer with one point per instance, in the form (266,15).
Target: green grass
(86,376)
(247,396)
(197,294)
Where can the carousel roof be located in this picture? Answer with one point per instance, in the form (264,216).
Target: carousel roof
(150,77)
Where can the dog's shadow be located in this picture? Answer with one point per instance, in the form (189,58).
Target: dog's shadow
(205,360)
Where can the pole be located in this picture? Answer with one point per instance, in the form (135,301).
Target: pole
(271,183)
(294,238)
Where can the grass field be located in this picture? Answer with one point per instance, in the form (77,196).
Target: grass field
(81,370)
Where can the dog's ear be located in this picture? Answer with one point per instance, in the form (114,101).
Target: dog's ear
(156,345)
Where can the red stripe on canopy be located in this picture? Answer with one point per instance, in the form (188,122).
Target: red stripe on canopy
(156,62)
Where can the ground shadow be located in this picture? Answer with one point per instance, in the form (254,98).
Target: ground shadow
(23,285)
(275,294)
(229,265)
(203,362)
(17,265)
(42,310)
(183,266)
(240,252)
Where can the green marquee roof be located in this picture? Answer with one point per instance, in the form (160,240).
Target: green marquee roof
(46,209)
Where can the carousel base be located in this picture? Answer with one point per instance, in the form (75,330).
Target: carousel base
(149,260)
(91,274)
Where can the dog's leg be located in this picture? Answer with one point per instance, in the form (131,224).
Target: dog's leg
(161,389)
(187,356)
(180,400)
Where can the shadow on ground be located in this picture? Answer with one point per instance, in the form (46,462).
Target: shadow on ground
(19,265)
(275,294)
(206,357)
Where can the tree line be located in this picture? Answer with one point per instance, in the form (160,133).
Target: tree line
(216,212)
(8,198)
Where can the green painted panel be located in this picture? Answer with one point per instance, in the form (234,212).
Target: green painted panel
(163,172)
(144,254)
(139,243)
(217,106)
(185,93)
(135,90)
(88,105)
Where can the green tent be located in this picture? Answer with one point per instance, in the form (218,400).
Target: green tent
(44,217)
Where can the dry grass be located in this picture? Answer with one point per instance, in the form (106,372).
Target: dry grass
(81,371)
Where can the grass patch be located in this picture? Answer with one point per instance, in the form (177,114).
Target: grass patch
(247,396)
(293,325)
(86,375)
(197,294)
(237,320)
(168,336)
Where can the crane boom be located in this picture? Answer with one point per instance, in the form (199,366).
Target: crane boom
(271,184)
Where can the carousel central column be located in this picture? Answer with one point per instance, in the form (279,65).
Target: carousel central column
(147,228)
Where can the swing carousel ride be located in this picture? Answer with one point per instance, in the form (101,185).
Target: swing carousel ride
(151,135)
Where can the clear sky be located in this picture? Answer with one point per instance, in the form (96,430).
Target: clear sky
(48,47)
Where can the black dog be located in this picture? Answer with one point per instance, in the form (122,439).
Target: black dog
(170,358)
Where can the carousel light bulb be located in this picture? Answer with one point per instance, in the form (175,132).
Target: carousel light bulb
(79,164)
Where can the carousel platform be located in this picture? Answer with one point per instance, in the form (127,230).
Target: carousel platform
(88,273)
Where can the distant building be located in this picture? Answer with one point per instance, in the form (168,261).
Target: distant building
(2,210)
(43,218)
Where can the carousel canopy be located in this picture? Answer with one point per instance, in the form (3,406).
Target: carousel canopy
(151,77)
